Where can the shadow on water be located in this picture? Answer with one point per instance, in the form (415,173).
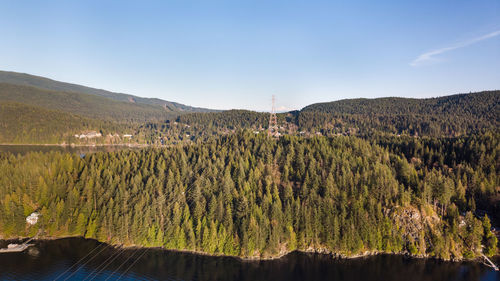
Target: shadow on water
(49,259)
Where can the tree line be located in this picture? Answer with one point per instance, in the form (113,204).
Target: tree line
(253,196)
(46,118)
(454,115)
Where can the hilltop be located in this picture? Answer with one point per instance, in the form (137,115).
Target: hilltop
(454,115)
(474,104)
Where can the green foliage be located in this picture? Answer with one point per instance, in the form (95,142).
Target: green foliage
(489,239)
(23,79)
(230,119)
(21,123)
(87,105)
(248,195)
(462,170)
(445,116)
(55,111)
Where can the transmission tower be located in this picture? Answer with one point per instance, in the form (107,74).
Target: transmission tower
(273,121)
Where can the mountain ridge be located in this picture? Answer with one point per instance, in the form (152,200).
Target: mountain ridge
(86,105)
(26,79)
(492,95)
(454,115)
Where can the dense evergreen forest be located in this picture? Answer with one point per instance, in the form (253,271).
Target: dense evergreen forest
(37,110)
(472,160)
(87,105)
(157,122)
(450,116)
(250,195)
(230,119)
(21,124)
(23,79)
(348,177)
(453,115)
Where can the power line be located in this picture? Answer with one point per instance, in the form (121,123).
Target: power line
(160,197)
(95,248)
(128,268)
(105,264)
(113,273)
(106,245)
(144,252)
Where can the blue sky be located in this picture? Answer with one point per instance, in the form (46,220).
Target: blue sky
(237,54)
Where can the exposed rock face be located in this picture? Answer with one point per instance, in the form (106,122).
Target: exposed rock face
(412,223)
(410,220)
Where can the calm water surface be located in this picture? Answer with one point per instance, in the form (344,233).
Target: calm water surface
(69,259)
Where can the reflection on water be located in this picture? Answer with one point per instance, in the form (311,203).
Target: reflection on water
(23,149)
(59,258)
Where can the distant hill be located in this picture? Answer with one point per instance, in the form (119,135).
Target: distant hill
(82,104)
(453,115)
(449,115)
(49,84)
(79,108)
(39,110)
(481,104)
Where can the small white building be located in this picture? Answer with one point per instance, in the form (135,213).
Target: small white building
(89,135)
(33,218)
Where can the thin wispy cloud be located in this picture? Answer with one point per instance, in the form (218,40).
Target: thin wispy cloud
(429,57)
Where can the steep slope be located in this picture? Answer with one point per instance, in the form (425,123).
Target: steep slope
(87,105)
(49,84)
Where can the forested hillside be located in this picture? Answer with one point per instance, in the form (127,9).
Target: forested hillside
(86,105)
(472,104)
(474,159)
(254,196)
(230,119)
(445,116)
(23,79)
(26,124)
(20,123)
(201,125)
(74,109)
(153,121)
(449,116)
(196,127)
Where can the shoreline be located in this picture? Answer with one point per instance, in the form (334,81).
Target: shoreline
(333,255)
(74,145)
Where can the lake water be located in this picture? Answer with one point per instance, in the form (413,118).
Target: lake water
(23,149)
(69,259)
